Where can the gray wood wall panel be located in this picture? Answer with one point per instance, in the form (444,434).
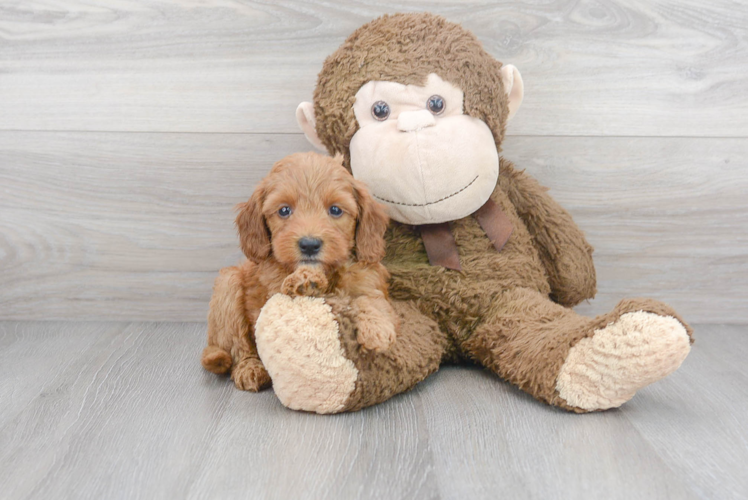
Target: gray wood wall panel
(128,130)
(132,415)
(591,68)
(136,225)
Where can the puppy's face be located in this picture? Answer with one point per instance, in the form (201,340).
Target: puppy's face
(309,210)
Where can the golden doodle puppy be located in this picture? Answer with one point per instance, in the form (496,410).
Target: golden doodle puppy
(309,229)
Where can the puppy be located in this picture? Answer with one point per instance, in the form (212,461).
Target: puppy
(309,229)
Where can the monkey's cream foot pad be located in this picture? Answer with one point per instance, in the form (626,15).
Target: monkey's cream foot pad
(605,370)
(297,340)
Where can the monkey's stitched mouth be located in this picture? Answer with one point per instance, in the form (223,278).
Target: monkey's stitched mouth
(430,202)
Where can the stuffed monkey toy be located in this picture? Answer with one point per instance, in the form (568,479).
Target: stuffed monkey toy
(485,265)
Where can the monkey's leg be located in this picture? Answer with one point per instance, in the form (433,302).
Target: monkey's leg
(229,344)
(309,347)
(578,363)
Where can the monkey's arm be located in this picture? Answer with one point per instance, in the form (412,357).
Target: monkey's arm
(563,249)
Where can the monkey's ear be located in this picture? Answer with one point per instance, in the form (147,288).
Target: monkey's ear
(513,86)
(254,236)
(308,124)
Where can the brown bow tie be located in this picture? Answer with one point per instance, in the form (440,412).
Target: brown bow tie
(440,242)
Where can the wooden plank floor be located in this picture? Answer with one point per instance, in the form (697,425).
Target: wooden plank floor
(123,410)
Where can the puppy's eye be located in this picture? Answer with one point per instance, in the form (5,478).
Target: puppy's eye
(436,104)
(380,111)
(284,211)
(335,211)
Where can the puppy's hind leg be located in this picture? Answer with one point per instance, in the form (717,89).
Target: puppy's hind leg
(225,321)
(216,360)
(230,346)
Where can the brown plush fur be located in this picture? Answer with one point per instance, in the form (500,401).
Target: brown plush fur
(309,184)
(420,349)
(508,310)
(405,48)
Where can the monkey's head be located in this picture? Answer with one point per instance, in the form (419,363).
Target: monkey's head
(418,109)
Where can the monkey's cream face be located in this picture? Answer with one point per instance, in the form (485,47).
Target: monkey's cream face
(420,154)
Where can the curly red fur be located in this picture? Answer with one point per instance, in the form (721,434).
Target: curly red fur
(308,184)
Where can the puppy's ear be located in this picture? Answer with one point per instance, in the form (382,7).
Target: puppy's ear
(372,223)
(254,236)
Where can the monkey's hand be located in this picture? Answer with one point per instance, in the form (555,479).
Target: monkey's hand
(306,281)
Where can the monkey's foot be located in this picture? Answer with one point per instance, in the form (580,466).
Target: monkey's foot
(605,370)
(298,342)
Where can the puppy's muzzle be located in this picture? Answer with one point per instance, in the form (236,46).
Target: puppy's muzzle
(310,247)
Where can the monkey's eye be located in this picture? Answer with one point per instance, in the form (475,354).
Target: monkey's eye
(380,111)
(436,104)
(335,211)
(284,212)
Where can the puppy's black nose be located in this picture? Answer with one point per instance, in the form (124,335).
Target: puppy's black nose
(310,246)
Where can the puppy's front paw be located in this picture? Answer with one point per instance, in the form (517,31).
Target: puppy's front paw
(306,282)
(250,375)
(375,334)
